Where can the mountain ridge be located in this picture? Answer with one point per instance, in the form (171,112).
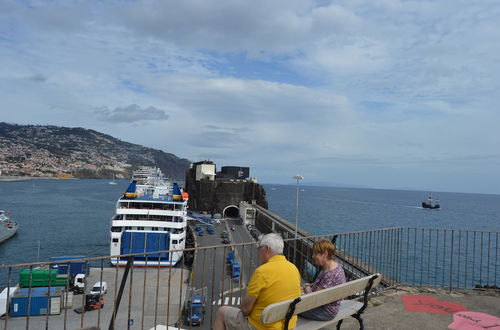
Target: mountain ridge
(48,150)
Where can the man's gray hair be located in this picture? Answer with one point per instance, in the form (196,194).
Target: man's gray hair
(273,241)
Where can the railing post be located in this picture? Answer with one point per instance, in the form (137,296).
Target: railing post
(120,292)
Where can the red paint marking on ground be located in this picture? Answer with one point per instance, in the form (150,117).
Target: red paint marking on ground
(427,304)
(474,321)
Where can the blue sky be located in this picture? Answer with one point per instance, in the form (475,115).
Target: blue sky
(384,94)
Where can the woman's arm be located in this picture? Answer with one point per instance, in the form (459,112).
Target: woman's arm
(308,288)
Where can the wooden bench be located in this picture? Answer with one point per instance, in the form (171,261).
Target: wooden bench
(284,310)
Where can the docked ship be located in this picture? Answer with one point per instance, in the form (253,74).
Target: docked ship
(8,227)
(150,217)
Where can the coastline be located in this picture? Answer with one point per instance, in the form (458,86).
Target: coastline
(27,178)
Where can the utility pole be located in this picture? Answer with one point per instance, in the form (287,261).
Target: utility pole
(296,177)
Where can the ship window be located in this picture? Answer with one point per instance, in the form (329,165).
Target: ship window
(116,229)
(115,240)
(174,241)
(154,228)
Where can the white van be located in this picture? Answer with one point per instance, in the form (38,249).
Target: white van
(99,288)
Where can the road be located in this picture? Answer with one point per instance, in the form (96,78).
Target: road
(211,276)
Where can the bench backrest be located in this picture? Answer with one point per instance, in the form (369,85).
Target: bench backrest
(277,311)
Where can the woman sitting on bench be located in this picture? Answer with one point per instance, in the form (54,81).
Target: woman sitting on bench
(331,274)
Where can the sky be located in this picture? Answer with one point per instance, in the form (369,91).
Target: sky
(391,94)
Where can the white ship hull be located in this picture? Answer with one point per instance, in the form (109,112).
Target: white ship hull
(150,218)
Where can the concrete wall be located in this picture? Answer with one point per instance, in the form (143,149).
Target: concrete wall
(267,222)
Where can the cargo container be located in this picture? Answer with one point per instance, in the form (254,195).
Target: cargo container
(70,267)
(41,301)
(3,298)
(42,277)
(67,300)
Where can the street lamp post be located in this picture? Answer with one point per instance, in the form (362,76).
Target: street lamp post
(296,177)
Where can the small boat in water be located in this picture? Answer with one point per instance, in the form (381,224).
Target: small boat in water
(113,181)
(431,203)
(8,227)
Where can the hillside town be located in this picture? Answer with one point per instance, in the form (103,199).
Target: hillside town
(24,160)
(50,151)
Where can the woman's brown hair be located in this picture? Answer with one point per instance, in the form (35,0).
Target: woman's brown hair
(322,245)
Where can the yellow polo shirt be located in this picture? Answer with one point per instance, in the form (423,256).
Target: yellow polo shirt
(274,281)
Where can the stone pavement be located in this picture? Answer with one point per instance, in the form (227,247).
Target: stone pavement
(416,308)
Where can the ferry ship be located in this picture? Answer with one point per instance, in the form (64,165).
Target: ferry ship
(150,216)
(431,203)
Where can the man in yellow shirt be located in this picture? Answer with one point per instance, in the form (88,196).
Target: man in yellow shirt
(276,279)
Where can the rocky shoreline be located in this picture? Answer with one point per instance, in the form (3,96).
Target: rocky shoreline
(27,178)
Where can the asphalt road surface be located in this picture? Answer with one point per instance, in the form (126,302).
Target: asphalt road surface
(211,276)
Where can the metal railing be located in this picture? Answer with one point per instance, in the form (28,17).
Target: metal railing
(445,258)
(137,297)
(145,297)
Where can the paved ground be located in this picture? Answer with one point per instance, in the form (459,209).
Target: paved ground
(433,309)
(387,311)
(143,296)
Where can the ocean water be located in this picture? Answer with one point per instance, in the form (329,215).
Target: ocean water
(58,217)
(72,217)
(332,210)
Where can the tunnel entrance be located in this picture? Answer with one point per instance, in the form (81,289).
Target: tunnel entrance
(231,211)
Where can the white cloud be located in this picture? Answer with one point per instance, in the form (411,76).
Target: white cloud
(353,88)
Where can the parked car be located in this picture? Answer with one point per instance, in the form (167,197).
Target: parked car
(201,233)
(225,241)
(195,310)
(210,229)
(224,234)
(99,288)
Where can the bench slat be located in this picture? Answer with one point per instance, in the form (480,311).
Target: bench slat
(347,308)
(277,311)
